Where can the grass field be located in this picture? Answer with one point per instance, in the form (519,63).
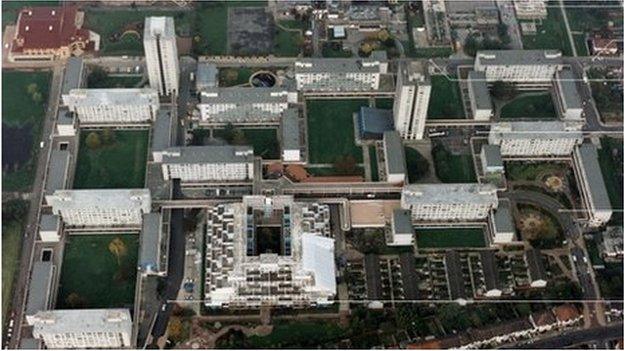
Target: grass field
(26,111)
(587,16)
(452,168)
(330,129)
(93,276)
(11,248)
(551,34)
(445,101)
(580,44)
(372,153)
(417,164)
(530,106)
(117,165)
(612,173)
(287,43)
(384,103)
(263,140)
(116,82)
(449,238)
(297,335)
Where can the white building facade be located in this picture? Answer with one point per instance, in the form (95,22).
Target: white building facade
(84,329)
(535,139)
(591,185)
(101,207)
(526,68)
(208,163)
(413,90)
(449,202)
(113,106)
(161,54)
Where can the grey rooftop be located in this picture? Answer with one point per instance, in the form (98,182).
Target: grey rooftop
(395,154)
(492,155)
(49,222)
(290,130)
(339,65)
(149,252)
(208,154)
(569,93)
(536,130)
(588,156)
(519,57)
(161,136)
(163,26)
(57,171)
(39,288)
(100,198)
(243,95)
(74,72)
(84,320)
(472,193)
(402,221)
(113,96)
(478,84)
(503,220)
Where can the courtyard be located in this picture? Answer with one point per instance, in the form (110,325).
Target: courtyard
(445,101)
(535,105)
(551,33)
(444,238)
(98,271)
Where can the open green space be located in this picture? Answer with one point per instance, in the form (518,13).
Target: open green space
(445,101)
(23,113)
(551,33)
(530,106)
(117,160)
(610,158)
(610,280)
(11,242)
(384,103)
(263,140)
(229,77)
(523,171)
(121,29)
(426,52)
(451,168)
(287,42)
(372,153)
(439,238)
(417,164)
(580,44)
(115,82)
(98,271)
(330,129)
(606,94)
(334,49)
(333,171)
(591,15)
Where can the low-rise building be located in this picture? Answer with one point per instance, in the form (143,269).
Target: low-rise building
(480,101)
(162,130)
(340,74)
(101,207)
(206,77)
(502,225)
(150,244)
(372,123)
(244,106)
(49,228)
(394,158)
(39,289)
(449,202)
(113,106)
(401,229)
(51,33)
(535,139)
(84,329)
(475,13)
(411,102)
(290,136)
(591,185)
(530,9)
(491,160)
(566,95)
(58,171)
(74,75)
(612,243)
(197,164)
(526,68)
(66,124)
(269,252)
(537,273)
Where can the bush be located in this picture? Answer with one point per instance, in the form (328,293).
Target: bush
(504,90)
(93,141)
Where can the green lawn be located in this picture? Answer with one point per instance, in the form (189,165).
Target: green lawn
(417,164)
(11,248)
(229,77)
(445,101)
(435,238)
(116,82)
(452,168)
(587,16)
(287,43)
(332,171)
(113,21)
(384,103)
(94,276)
(120,164)
(426,52)
(580,44)
(611,167)
(298,335)
(551,34)
(263,140)
(372,153)
(23,110)
(330,129)
(523,171)
(530,106)
(334,49)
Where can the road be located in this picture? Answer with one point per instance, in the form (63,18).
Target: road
(21,285)
(576,337)
(568,30)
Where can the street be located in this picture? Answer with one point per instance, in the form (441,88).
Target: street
(572,338)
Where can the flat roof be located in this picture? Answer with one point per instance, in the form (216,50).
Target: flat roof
(536,266)
(208,154)
(519,57)
(243,95)
(490,270)
(206,76)
(395,154)
(449,193)
(536,130)
(149,250)
(318,257)
(374,121)
(588,156)
(290,130)
(402,221)
(492,155)
(57,171)
(30,344)
(112,96)
(65,117)
(49,222)
(478,85)
(455,6)
(115,320)
(74,71)
(503,220)
(161,135)
(373,276)
(339,65)
(158,25)
(455,276)
(101,198)
(39,287)
(567,88)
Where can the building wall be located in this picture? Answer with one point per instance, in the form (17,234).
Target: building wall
(520,74)
(535,147)
(169,59)
(84,340)
(597,217)
(337,81)
(410,110)
(425,212)
(198,172)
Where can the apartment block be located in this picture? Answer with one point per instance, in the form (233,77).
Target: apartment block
(449,202)
(101,207)
(394,158)
(113,106)
(530,9)
(480,100)
(84,329)
(196,164)
(526,68)
(411,102)
(566,96)
(591,185)
(535,139)
(161,55)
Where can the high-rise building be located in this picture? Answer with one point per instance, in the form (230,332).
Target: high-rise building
(84,329)
(526,68)
(411,102)
(566,95)
(161,54)
(533,139)
(101,207)
(480,101)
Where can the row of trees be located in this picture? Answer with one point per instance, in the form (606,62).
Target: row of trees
(96,140)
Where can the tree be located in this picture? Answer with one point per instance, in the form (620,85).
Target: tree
(175,329)
(238,137)
(108,137)
(231,75)
(503,90)
(97,77)
(365,49)
(118,248)
(74,300)
(383,35)
(93,141)
(32,88)
(37,97)
(14,210)
(228,133)
(345,165)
